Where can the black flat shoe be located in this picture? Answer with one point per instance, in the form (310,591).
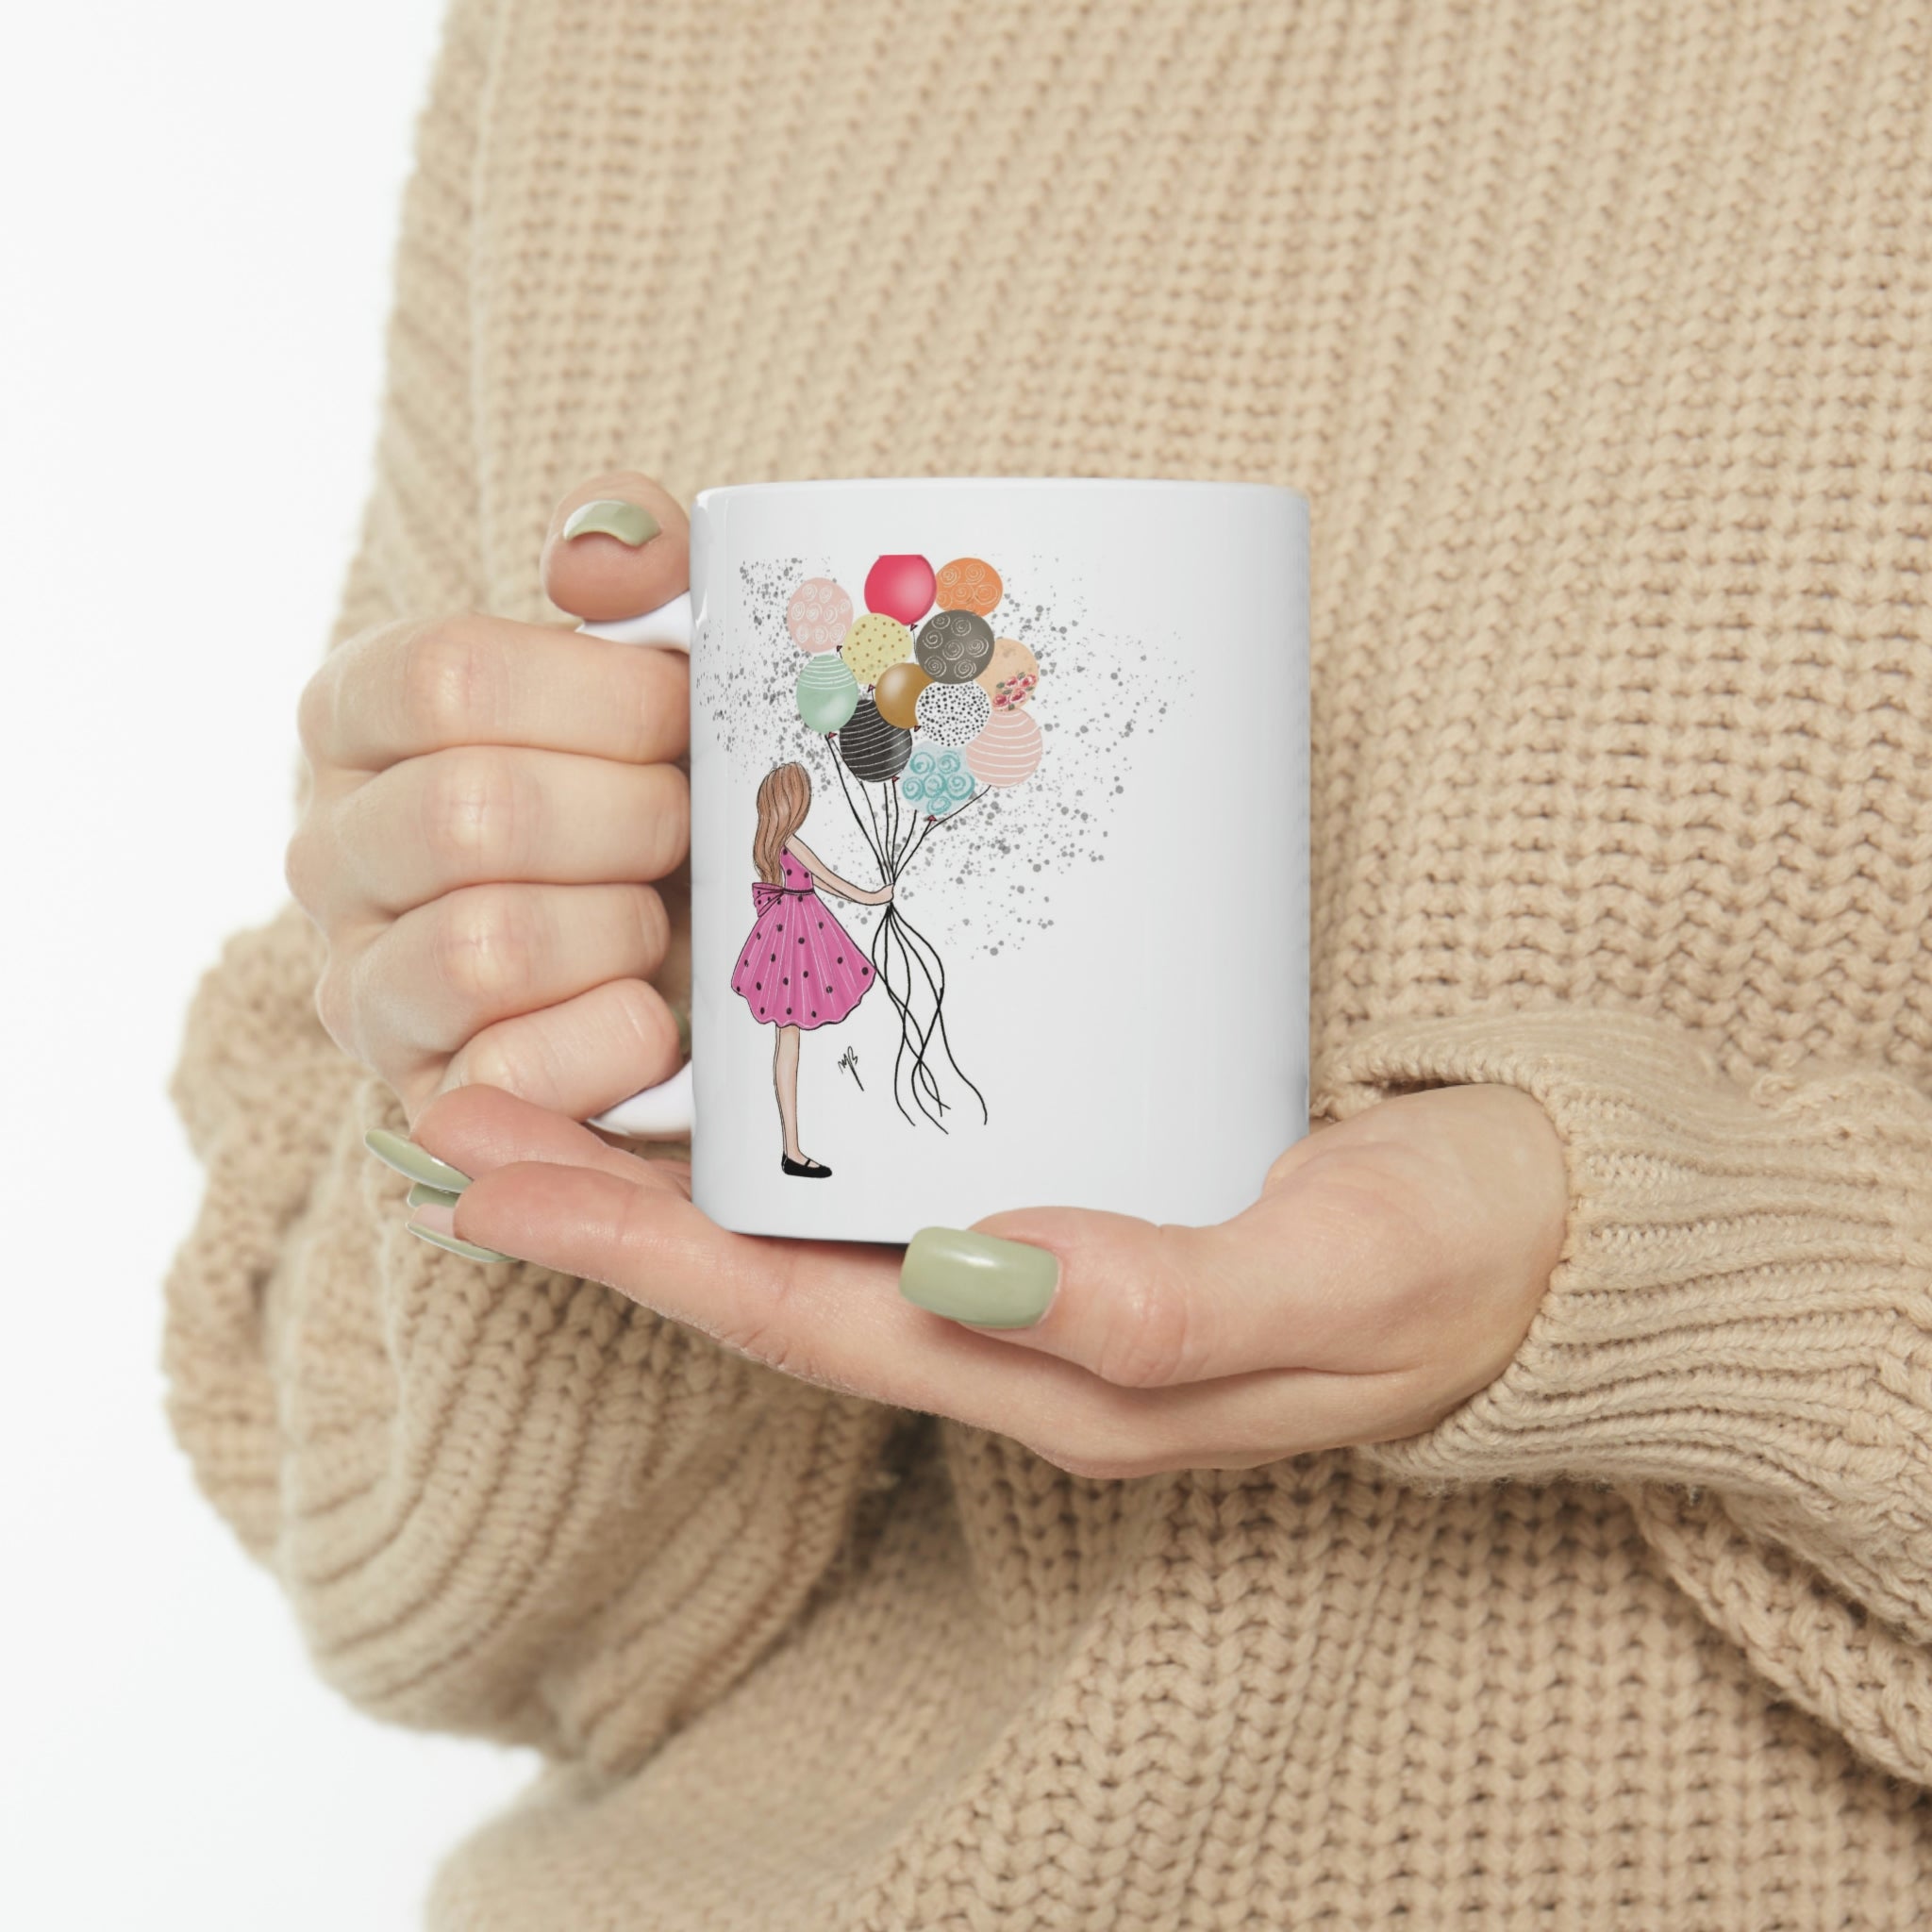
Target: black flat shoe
(811,1170)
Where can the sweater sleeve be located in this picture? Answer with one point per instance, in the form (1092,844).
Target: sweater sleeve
(1738,1337)
(500,1500)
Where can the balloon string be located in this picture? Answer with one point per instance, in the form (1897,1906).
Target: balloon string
(881,950)
(907,846)
(871,837)
(887,967)
(954,818)
(938,1010)
(898,948)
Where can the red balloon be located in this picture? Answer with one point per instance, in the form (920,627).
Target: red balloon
(901,587)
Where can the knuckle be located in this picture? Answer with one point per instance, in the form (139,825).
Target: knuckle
(1377,1220)
(773,1330)
(763,1333)
(474,810)
(1148,1340)
(1151,1338)
(485,947)
(315,710)
(301,864)
(672,821)
(516,1059)
(446,679)
(653,923)
(335,1004)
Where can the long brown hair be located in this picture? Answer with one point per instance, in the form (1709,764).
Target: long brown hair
(784,799)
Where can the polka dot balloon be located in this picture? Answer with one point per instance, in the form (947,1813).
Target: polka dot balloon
(953,714)
(873,644)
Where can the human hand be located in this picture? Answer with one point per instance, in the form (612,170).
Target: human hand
(489,800)
(879,897)
(1389,1270)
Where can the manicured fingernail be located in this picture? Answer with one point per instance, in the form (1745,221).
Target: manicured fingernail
(409,1159)
(629,523)
(978,1277)
(434,1208)
(469,1250)
(681,1013)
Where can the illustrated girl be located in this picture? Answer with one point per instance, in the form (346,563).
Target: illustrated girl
(800,969)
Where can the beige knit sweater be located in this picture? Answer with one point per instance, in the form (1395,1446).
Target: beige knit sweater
(1600,336)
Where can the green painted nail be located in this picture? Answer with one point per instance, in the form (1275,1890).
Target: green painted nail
(629,523)
(469,1250)
(423,1196)
(409,1159)
(978,1277)
(681,1013)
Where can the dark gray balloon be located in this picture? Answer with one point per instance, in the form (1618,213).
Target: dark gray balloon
(954,647)
(872,748)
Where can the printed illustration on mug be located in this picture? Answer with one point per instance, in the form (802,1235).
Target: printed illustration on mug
(920,708)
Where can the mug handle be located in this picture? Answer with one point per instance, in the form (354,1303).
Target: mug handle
(662,1112)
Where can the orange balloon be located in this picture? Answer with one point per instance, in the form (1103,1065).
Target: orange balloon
(897,695)
(967,584)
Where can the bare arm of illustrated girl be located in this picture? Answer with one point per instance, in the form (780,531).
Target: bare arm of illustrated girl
(829,879)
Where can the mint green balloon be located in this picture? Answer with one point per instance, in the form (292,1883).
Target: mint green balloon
(827,692)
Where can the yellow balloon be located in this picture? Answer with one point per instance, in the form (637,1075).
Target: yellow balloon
(873,644)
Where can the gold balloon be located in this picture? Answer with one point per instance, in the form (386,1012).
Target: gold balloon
(873,642)
(897,695)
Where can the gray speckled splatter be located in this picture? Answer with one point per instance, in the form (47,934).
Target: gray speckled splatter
(1101,694)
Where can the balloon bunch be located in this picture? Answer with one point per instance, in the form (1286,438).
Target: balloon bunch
(925,707)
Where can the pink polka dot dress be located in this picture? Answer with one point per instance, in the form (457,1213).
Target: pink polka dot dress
(800,967)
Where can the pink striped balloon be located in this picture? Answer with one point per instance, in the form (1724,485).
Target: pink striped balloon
(1006,751)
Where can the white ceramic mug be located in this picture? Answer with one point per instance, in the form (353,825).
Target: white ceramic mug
(1066,722)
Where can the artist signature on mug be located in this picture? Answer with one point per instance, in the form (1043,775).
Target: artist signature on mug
(849,1061)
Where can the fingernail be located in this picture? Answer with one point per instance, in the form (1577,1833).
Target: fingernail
(409,1159)
(434,1208)
(629,523)
(978,1277)
(469,1250)
(681,1013)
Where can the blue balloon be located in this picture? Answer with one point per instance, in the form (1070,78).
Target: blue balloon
(936,781)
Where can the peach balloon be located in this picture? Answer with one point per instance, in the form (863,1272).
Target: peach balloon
(1010,674)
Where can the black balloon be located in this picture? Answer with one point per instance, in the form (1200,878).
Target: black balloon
(954,647)
(872,748)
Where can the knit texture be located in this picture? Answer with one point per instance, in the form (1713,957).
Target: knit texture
(1600,336)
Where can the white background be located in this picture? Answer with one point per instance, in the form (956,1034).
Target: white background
(198,207)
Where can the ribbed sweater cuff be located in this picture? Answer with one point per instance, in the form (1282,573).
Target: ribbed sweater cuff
(1745,1298)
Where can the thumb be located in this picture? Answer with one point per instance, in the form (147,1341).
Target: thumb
(1137,1303)
(618,546)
